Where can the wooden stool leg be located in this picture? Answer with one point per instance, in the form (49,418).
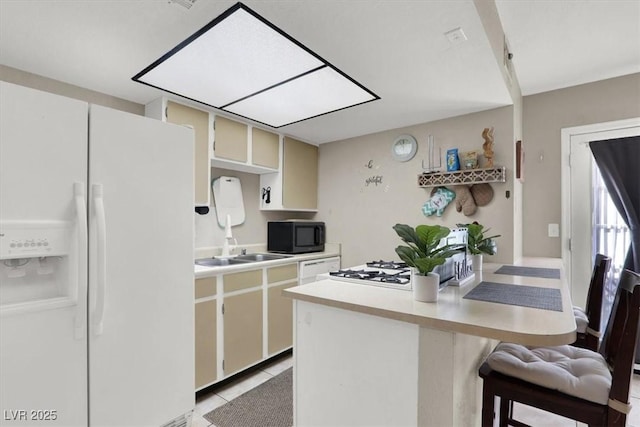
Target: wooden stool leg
(488,403)
(506,407)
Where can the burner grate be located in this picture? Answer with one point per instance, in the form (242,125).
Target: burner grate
(401,277)
(390,265)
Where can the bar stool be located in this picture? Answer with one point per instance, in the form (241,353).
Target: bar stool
(577,383)
(588,320)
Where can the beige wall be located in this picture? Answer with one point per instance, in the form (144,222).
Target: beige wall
(34,81)
(360,216)
(545,115)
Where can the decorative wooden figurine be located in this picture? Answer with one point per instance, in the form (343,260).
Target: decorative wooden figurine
(487,134)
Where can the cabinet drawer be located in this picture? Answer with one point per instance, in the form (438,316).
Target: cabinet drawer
(243,280)
(205,287)
(282,273)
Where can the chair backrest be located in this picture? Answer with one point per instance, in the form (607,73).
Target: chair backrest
(620,338)
(595,294)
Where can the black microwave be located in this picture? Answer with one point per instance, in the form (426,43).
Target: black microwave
(295,237)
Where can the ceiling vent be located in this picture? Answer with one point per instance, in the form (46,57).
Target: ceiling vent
(184,3)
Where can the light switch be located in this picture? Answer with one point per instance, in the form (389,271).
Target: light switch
(554,230)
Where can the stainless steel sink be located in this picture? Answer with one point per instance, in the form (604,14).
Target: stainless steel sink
(216,262)
(240,259)
(260,257)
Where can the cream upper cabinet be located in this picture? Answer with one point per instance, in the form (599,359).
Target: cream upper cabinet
(265,148)
(300,175)
(230,142)
(245,148)
(295,187)
(173,112)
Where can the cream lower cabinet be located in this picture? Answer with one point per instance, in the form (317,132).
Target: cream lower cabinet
(242,331)
(206,325)
(280,308)
(241,319)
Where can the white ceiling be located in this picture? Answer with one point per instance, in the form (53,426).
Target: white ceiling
(396,48)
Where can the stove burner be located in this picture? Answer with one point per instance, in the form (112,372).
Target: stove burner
(401,277)
(391,265)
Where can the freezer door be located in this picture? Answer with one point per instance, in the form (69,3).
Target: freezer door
(141,342)
(43,152)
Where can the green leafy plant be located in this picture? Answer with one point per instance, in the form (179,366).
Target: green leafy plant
(422,251)
(477,243)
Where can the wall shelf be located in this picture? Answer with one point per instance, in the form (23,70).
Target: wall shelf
(468,176)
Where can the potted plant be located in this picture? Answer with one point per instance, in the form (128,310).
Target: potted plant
(478,244)
(423,253)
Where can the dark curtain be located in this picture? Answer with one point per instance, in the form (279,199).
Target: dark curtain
(619,164)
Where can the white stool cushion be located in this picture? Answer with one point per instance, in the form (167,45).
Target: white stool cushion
(581,320)
(572,370)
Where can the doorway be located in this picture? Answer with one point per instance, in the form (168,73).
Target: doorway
(586,218)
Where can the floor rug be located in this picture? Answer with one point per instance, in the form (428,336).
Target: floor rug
(268,405)
(516,270)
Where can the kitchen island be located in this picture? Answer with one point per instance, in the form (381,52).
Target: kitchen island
(367,355)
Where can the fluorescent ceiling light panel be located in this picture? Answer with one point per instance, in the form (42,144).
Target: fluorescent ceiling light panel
(308,96)
(243,64)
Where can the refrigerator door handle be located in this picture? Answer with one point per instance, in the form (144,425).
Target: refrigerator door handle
(101,269)
(81,216)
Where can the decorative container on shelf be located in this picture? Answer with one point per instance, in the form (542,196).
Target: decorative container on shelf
(468,176)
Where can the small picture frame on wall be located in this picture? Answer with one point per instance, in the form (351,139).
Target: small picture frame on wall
(519,161)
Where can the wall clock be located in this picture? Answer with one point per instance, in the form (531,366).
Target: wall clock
(404,148)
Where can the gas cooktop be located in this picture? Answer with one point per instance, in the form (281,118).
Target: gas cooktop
(388,274)
(397,275)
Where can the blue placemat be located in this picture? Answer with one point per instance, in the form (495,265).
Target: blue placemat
(522,295)
(516,270)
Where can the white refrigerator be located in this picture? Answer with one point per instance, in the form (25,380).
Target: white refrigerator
(96,265)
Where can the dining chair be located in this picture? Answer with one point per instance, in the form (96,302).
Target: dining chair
(577,383)
(588,320)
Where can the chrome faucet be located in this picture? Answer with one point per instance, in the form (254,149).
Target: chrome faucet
(226,247)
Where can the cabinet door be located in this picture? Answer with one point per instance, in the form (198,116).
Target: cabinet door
(230,140)
(299,175)
(205,325)
(265,148)
(242,330)
(199,120)
(280,318)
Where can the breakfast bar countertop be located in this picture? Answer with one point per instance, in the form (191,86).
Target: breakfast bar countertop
(454,313)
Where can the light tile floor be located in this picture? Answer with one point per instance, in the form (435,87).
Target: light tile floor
(228,392)
(531,416)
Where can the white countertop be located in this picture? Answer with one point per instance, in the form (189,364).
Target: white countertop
(528,326)
(202,271)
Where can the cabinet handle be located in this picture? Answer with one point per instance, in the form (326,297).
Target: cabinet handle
(223,308)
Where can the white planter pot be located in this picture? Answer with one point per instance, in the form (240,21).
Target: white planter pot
(425,288)
(476,260)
